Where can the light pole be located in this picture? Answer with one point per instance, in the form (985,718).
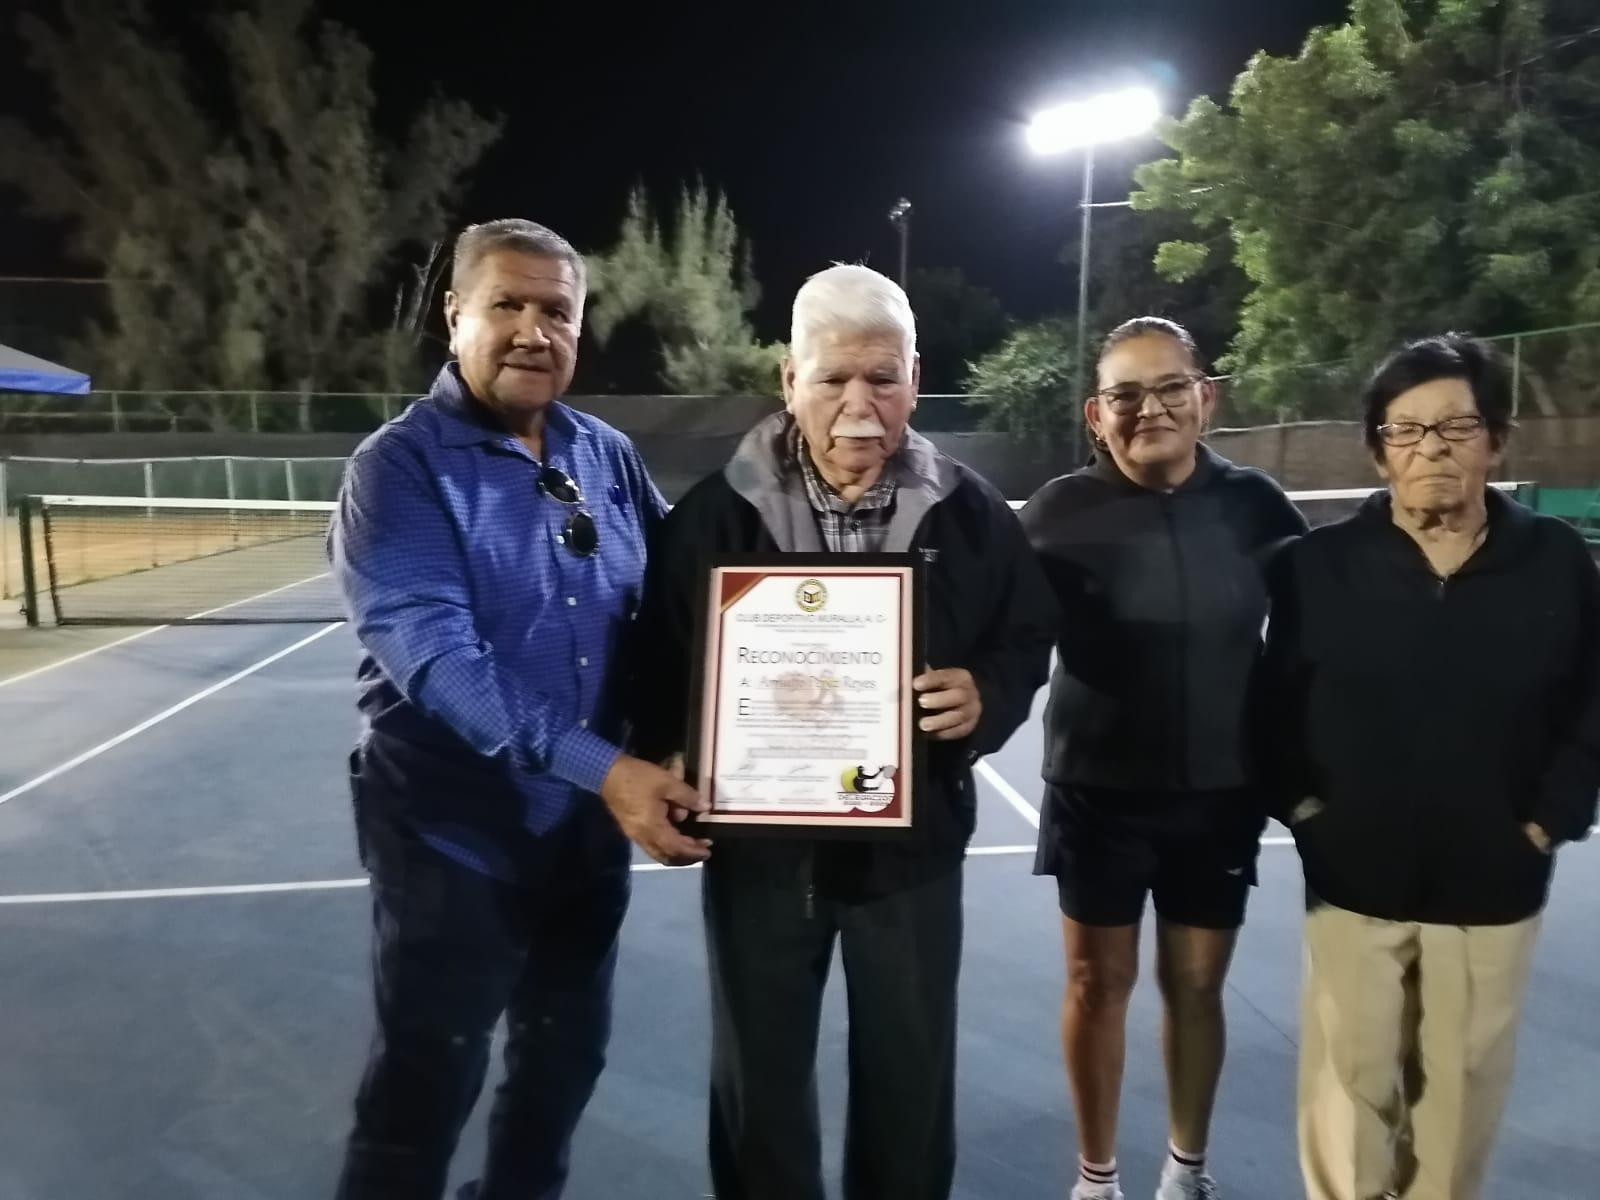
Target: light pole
(900,218)
(1083,125)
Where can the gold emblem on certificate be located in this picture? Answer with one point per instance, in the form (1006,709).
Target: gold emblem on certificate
(806,719)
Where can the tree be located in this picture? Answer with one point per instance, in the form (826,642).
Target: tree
(1024,386)
(1126,280)
(1430,164)
(956,323)
(696,292)
(249,217)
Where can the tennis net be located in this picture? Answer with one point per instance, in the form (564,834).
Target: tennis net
(133,560)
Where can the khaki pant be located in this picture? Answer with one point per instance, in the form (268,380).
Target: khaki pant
(1407,1038)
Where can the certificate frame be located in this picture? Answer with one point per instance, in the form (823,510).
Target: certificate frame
(726,575)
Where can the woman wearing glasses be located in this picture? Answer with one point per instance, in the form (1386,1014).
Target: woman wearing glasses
(1433,671)
(1156,551)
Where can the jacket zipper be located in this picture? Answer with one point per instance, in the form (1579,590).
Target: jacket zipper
(1182,724)
(1423,887)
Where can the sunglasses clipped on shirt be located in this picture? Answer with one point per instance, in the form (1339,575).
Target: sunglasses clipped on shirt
(580,535)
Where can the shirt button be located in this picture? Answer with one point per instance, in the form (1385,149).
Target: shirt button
(572,602)
(856,524)
(583,662)
(584,724)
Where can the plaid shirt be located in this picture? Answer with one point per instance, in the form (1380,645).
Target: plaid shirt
(858,528)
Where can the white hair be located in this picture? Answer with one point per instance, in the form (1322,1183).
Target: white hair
(849,298)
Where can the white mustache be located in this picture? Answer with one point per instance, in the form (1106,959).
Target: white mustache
(860,429)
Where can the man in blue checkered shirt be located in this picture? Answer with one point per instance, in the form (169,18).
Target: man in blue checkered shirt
(490,548)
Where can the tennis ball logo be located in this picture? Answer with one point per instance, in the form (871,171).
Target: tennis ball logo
(811,596)
(858,780)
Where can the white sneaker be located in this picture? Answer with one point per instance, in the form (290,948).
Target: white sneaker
(1095,1191)
(1188,1186)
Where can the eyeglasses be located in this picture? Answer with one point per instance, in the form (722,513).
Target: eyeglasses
(1451,429)
(580,535)
(1128,398)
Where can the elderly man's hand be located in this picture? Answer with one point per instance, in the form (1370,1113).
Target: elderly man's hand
(674,766)
(951,696)
(643,799)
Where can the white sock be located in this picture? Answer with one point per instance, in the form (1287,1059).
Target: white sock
(1183,1162)
(1098,1175)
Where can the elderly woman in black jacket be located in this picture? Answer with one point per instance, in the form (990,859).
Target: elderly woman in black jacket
(1434,666)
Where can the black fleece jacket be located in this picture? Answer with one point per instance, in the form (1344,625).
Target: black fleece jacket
(988,610)
(1430,718)
(1162,599)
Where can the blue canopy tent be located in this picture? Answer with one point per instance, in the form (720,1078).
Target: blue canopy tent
(21,372)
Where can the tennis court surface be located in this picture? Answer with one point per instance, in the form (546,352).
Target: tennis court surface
(185,996)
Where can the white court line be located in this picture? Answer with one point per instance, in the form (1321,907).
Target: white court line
(133,637)
(330,885)
(61,662)
(174,710)
(211,612)
(1030,814)
(262,889)
(241,889)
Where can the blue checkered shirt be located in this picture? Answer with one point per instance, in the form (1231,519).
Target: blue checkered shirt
(488,643)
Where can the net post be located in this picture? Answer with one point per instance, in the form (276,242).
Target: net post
(150,513)
(233,521)
(116,412)
(50,563)
(255,413)
(1516,375)
(288,479)
(30,588)
(5,533)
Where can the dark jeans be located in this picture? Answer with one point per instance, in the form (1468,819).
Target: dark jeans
(454,950)
(770,950)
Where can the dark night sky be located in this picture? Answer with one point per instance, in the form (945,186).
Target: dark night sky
(812,117)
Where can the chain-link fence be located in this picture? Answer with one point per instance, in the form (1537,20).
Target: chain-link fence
(1555,373)
(200,412)
(321,412)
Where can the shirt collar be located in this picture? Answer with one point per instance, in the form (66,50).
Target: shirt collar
(1206,465)
(1507,538)
(822,494)
(466,422)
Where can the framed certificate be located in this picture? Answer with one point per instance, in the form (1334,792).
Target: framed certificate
(803,721)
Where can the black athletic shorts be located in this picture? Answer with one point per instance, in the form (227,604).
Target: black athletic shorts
(1193,852)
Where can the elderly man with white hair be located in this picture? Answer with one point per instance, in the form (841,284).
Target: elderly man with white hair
(839,470)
